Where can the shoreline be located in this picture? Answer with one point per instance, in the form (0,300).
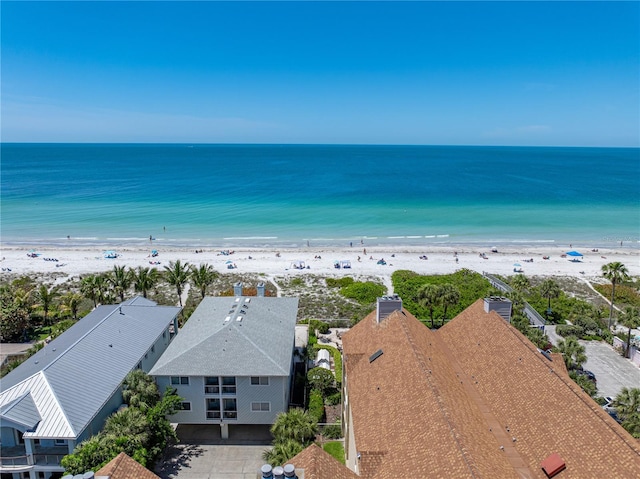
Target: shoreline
(73,261)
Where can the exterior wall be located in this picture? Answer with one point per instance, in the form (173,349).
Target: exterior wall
(351,452)
(276,393)
(96,425)
(156,350)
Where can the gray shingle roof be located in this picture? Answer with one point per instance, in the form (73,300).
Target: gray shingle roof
(260,344)
(72,377)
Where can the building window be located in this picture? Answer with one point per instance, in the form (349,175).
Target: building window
(60,442)
(211,385)
(185,406)
(261,406)
(213,408)
(259,380)
(230,408)
(228,385)
(19,437)
(184,380)
(153,348)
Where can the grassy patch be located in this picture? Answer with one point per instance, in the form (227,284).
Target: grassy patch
(335,449)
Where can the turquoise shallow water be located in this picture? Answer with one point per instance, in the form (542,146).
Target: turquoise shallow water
(286,195)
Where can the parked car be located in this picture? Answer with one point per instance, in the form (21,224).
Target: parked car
(588,374)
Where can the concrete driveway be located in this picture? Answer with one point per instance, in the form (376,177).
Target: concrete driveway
(613,372)
(202,454)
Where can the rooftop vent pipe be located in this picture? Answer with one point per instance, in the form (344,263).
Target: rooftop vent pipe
(266,472)
(290,471)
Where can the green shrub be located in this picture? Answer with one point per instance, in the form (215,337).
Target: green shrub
(333,398)
(363,292)
(332,431)
(339,282)
(320,326)
(471,286)
(316,405)
(337,362)
(570,330)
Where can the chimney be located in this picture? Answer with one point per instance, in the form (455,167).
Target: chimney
(260,288)
(500,305)
(237,289)
(387,305)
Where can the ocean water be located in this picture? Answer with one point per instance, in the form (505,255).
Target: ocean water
(288,195)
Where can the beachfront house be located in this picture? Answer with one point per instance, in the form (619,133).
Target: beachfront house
(232,361)
(63,394)
(473,399)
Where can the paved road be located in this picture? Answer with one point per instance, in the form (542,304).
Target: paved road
(612,371)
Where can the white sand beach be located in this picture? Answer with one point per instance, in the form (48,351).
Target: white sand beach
(73,262)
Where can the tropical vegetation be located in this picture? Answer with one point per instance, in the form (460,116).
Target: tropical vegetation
(627,406)
(615,272)
(292,432)
(140,430)
(449,295)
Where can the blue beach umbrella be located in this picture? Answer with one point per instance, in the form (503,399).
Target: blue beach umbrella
(573,253)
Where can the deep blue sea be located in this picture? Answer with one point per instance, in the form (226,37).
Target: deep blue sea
(286,195)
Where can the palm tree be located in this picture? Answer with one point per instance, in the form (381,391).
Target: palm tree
(615,272)
(45,298)
(139,390)
(449,296)
(630,319)
(144,279)
(121,279)
(296,424)
(130,422)
(92,287)
(573,352)
(537,337)
(203,277)
(177,274)
(627,402)
(71,303)
(549,289)
(429,297)
(282,452)
(520,283)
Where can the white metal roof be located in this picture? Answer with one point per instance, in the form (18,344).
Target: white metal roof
(71,378)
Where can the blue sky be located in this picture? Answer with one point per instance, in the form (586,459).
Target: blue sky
(457,73)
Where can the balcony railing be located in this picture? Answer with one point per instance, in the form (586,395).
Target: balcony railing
(213,414)
(212,389)
(16,456)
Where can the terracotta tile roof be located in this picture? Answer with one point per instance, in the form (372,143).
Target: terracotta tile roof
(474,399)
(123,467)
(318,464)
